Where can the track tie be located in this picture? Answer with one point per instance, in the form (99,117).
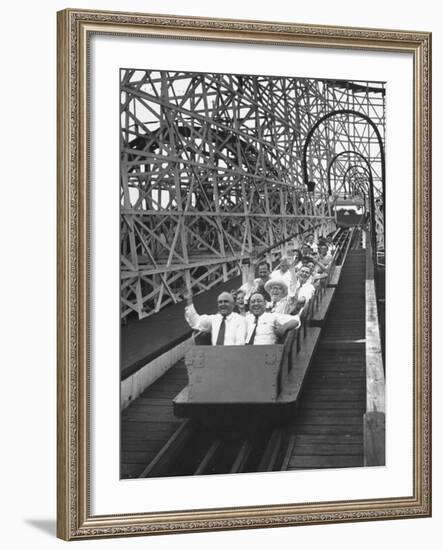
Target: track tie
(288,454)
(242,457)
(164,458)
(269,458)
(208,458)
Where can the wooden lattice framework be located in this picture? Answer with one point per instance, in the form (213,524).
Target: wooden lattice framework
(211,172)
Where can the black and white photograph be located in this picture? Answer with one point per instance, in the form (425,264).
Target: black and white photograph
(228,212)
(252,274)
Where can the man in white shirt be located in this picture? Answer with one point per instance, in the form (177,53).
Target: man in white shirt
(264,328)
(251,283)
(226,327)
(321,266)
(303,289)
(305,252)
(279,301)
(324,259)
(263,277)
(310,241)
(284,272)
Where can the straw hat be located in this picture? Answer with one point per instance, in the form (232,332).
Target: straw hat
(276,282)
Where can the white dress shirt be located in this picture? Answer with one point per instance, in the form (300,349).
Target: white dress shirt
(324,260)
(235,329)
(266,325)
(306,291)
(285,305)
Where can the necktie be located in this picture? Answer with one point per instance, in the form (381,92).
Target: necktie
(221,333)
(252,337)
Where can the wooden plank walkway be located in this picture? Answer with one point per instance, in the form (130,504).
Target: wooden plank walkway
(149,422)
(329,428)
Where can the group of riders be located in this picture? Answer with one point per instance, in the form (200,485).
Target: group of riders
(269,302)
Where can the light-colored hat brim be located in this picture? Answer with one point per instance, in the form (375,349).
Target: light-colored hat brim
(276,282)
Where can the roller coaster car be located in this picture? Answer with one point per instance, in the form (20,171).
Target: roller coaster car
(246,380)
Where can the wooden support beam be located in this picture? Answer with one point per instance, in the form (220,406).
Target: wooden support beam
(210,160)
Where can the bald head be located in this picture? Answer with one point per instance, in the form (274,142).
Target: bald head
(225,303)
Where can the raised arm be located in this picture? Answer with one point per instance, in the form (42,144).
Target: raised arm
(293,283)
(323,264)
(194,320)
(248,272)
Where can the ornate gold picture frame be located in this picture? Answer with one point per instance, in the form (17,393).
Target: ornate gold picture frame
(76,517)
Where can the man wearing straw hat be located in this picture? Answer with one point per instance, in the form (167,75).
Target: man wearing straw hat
(278,291)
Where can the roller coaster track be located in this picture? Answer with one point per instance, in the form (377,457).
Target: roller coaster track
(258,445)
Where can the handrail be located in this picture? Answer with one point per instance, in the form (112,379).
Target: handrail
(338,251)
(313,305)
(374,417)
